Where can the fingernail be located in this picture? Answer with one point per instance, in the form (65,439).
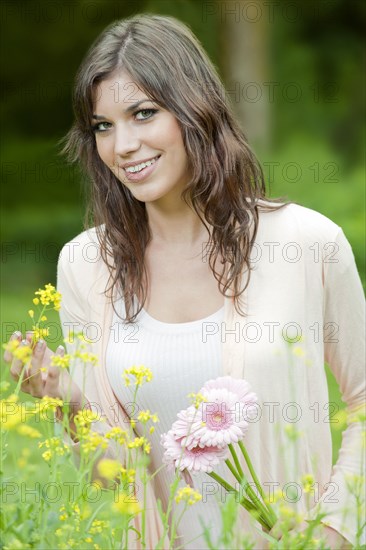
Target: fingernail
(24,342)
(39,345)
(60,348)
(16,334)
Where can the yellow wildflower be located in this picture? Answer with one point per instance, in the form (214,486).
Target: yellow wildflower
(19,350)
(140,442)
(47,403)
(117,434)
(145,416)
(141,374)
(196,399)
(48,296)
(36,301)
(92,441)
(125,506)
(31,313)
(4,386)
(109,468)
(188,495)
(61,361)
(86,357)
(10,412)
(39,333)
(54,446)
(308,483)
(24,429)
(129,475)
(43,318)
(98,526)
(152,430)
(63,514)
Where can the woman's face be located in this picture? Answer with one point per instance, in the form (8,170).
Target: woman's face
(127,133)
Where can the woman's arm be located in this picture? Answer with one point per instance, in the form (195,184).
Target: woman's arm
(344,308)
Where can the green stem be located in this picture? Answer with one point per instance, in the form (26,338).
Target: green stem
(246,503)
(230,465)
(256,480)
(236,460)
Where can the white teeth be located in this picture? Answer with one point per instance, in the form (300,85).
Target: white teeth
(139,167)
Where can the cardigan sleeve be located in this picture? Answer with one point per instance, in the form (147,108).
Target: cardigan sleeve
(344,318)
(74,317)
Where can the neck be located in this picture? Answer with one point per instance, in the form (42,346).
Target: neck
(179,225)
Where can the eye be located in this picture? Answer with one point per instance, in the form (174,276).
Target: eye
(150,113)
(100,127)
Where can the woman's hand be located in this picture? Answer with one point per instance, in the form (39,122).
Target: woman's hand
(53,381)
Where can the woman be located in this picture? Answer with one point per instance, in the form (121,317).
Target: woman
(189,269)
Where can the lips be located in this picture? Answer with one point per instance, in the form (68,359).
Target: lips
(136,163)
(142,174)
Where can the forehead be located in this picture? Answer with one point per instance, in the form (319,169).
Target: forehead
(118,88)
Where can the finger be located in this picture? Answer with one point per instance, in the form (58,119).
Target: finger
(17,365)
(29,336)
(8,356)
(53,375)
(34,372)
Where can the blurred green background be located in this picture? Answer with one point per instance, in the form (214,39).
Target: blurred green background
(294,77)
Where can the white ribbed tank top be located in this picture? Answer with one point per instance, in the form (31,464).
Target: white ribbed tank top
(182,357)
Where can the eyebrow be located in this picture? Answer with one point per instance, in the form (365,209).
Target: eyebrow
(128,110)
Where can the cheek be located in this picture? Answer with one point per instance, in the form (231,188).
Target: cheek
(104,151)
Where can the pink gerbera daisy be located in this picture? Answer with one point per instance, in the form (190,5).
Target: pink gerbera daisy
(197,459)
(221,420)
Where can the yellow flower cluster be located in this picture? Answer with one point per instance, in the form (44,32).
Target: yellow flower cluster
(72,336)
(61,361)
(308,483)
(13,416)
(128,476)
(141,374)
(49,403)
(109,468)
(48,295)
(39,333)
(140,442)
(54,446)
(86,357)
(145,416)
(23,352)
(126,504)
(188,495)
(197,399)
(98,526)
(92,441)
(83,420)
(24,429)
(117,434)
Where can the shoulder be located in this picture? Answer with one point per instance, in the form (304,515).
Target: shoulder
(314,234)
(82,249)
(297,222)
(80,258)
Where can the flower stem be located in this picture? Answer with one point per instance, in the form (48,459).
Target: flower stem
(230,465)
(246,503)
(255,479)
(236,460)
(249,490)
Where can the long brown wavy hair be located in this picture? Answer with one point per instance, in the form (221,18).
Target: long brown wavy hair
(164,58)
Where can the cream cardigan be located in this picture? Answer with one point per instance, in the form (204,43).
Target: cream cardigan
(304,283)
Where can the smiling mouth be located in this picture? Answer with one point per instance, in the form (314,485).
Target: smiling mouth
(139,167)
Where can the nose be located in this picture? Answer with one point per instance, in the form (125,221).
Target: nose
(126,140)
